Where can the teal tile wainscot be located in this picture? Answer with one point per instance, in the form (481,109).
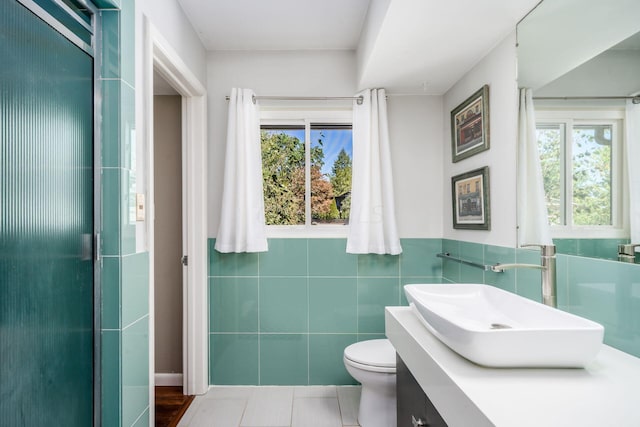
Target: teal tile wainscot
(284,317)
(594,248)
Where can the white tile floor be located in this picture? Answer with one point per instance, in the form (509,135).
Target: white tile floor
(308,406)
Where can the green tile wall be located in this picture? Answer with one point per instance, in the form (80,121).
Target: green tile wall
(593,248)
(286,315)
(604,291)
(331,302)
(124,273)
(135,370)
(111,407)
(607,292)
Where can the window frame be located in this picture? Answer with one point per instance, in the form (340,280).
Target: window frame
(306,117)
(575,117)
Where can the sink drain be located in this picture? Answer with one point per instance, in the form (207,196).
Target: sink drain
(500,326)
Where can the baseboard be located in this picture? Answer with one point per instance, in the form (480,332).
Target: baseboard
(168,379)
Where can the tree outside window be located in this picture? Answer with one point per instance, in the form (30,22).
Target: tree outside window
(285,174)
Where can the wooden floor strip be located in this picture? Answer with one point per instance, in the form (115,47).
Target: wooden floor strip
(171,405)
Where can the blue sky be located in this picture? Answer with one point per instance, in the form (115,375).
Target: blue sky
(334,141)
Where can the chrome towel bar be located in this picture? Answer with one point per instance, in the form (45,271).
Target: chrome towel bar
(447,255)
(496,268)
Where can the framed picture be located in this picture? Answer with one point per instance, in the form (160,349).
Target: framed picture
(470,195)
(470,126)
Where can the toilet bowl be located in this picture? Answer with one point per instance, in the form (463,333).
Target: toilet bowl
(373,364)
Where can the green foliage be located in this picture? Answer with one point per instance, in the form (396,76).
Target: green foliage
(333,212)
(341,181)
(283,174)
(321,195)
(345,208)
(341,173)
(283,178)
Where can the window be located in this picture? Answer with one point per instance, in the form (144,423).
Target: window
(581,169)
(306,170)
(283,174)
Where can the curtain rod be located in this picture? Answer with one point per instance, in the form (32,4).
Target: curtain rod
(358,99)
(635,99)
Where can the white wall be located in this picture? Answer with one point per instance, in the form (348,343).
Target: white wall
(169,19)
(498,70)
(415,124)
(415,133)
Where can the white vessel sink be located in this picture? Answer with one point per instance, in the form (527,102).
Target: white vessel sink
(496,328)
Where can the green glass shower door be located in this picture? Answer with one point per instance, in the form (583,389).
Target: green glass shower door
(46,225)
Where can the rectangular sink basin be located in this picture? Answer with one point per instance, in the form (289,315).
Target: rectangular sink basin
(496,328)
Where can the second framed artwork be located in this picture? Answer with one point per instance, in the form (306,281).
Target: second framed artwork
(470,126)
(470,196)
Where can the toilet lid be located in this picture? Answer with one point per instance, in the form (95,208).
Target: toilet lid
(373,353)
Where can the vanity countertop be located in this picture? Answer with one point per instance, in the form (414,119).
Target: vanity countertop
(605,393)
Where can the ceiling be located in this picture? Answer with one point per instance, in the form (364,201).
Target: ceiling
(277,24)
(406,46)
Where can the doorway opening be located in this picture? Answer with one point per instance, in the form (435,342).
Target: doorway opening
(168,231)
(191,236)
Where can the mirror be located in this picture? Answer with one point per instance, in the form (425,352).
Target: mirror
(581,58)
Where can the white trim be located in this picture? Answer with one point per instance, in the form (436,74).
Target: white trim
(159,55)
(307,174)
(613,113)
(298,116)
(304,117)
(166,380)
(604,232)
(147,129)
(609,116)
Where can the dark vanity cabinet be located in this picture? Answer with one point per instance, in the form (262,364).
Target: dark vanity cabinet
(414,407)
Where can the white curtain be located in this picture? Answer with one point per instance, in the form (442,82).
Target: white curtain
(632,154)
(533,220)
(372,221)
(242,225)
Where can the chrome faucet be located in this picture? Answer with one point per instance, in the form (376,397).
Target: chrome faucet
(548,267)
(627,253)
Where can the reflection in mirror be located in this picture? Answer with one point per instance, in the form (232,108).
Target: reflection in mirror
(583,72)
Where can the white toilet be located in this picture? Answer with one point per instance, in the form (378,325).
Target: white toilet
(373,364)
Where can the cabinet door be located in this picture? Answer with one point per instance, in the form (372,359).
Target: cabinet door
(414,407)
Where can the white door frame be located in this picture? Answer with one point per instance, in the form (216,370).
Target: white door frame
(159,55)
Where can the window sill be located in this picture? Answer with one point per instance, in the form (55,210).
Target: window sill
(589,233)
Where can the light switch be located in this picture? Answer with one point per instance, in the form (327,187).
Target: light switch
(140,210)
